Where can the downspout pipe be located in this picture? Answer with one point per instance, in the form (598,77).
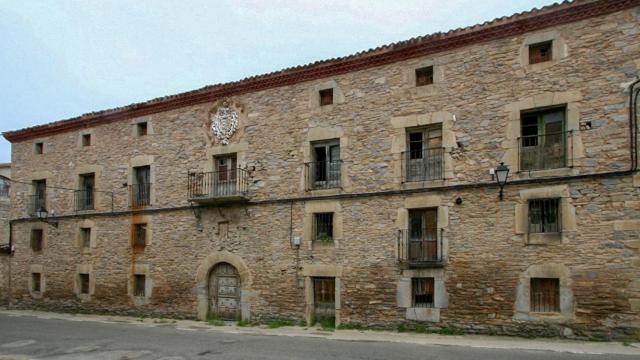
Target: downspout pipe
(634,92)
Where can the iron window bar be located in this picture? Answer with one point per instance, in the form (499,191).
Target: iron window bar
(215,184)
(420,246)
(140,195)
(84,200)
(544,216)
(423,165)
(324,174)
(544,152)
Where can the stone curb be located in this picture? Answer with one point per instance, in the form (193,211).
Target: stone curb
(478,341)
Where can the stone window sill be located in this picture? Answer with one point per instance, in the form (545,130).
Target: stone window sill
(531,174)
(423,314)
(544,238)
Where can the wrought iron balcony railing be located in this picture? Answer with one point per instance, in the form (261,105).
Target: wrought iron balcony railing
(37,202)
(423,165)
(420,247)
(543,152)
(140,195)
(84,200)
(323,174)
(226,185)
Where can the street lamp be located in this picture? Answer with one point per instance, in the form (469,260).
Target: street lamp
(42,215)
(502,173)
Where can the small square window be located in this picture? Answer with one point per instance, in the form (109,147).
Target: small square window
(323,227)
(326,97)
(544,216)
(35,282)
(39,148)
(139,235)
(540,52)
(86,140)
(545,295)
(422,292)
(36,239)
(141,128)
(84,283)
(85,237)
(424,76)
(139,282)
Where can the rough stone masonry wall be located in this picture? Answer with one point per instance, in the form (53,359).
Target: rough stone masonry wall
(5,210)
(486,257)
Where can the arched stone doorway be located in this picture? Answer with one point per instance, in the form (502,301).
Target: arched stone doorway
(208,267)
(224,292)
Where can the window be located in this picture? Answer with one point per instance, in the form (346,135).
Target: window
(86,139)
(423,235)
(424,76)
(141,189)
(38,199)
(39,148)
(540,52)
(4,187)
(323,227)
(139,282)
(325,170)
(139,235)
(84,283)
(36,239)
(544,216)
(326,97)
(422,292)
(85,237)
(423,158)
(141,128)
(545,295)
(85,195)
(543,140)
(35,282)
(225,179)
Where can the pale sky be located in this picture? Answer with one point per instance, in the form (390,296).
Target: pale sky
(60,59)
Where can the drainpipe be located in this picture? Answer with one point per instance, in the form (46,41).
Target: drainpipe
(633,123)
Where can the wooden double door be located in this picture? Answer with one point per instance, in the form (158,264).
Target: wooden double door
(224,292)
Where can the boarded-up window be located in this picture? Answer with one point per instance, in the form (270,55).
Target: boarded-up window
(326,97)
(84,283)
(139,235)
(424,76)
(540,52)
(85,237)
(545,295)
(323,227)
(139,283)
(35,282)
(422,292)
(544,216)
(36,239)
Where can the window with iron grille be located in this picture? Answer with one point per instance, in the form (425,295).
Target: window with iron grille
(139,283)
(4,186)
(139,235)
(424,76)
(540,52)
(36,239)
(85,237)
(326,97)
(39,148)
(544,216)
(86,140)
(141,128)
(35,282)
(325,169)
(543,139)
(422,292)
(424,155)
(84,283)
(545,295)
(323,227)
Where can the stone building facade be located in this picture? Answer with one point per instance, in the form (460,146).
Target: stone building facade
(5,249)
(359,189)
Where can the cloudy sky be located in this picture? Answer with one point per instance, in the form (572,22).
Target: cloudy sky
(60,59)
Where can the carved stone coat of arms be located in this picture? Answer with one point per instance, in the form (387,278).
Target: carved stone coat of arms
(224,123)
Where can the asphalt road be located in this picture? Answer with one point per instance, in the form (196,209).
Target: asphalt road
(27,337)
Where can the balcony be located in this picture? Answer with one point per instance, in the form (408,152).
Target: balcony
(420,248)
(226,186)
(140,195)
(423,165)
(544,152)
(36,202)
(323,174)
(84,200)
